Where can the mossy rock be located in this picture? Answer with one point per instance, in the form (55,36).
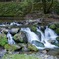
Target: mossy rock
(33,28)
(11,47)
(57,31)
(32,47)
(57,25)
(53,26)
(18,37)
(3,39)
(57,39)
(19,56)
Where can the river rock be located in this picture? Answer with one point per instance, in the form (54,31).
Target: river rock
(2,53)
(5,30)
(32,47)
(20,37)
(14,30)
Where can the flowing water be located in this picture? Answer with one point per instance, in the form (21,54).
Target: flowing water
(10,38)
(43,42)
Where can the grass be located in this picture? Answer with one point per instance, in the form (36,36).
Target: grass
(19,56)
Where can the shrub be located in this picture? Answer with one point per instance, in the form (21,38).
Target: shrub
(13,9)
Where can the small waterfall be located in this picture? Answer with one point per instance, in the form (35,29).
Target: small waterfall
(50,34)
(42,35)
(10,38)
(43,43)
(46,36)
(30,35)
(33,38)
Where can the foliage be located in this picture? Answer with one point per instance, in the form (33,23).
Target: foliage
(47,8)
(13,9)
(56,7)
(3,39)
(19,56)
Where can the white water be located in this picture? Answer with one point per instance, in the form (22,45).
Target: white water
(10,38)
(32,37)
(48,35)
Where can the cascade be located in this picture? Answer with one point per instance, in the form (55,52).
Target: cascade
(33,38)
(10,38)
(46,36)
(50,34)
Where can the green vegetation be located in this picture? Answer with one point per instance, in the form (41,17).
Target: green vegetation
(13,9)
(10,47)
(3,39)
(33,28)
(18,37)
(52,26)
(20,9)
(19,56)
(56,7)
(32,47)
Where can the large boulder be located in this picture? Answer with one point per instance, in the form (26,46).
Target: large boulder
(14,30)
(20,37)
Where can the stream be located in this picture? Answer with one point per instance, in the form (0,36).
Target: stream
(45,41)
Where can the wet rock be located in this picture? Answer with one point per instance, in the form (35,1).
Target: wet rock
(14,30)
(57,39)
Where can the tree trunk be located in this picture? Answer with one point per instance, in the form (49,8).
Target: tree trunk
(44,5)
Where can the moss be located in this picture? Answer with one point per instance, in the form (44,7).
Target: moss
(32,47)
(3,39)
(10,47)
(57,31)
(18,37)
(52,26)
(19,56)
(33,28)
